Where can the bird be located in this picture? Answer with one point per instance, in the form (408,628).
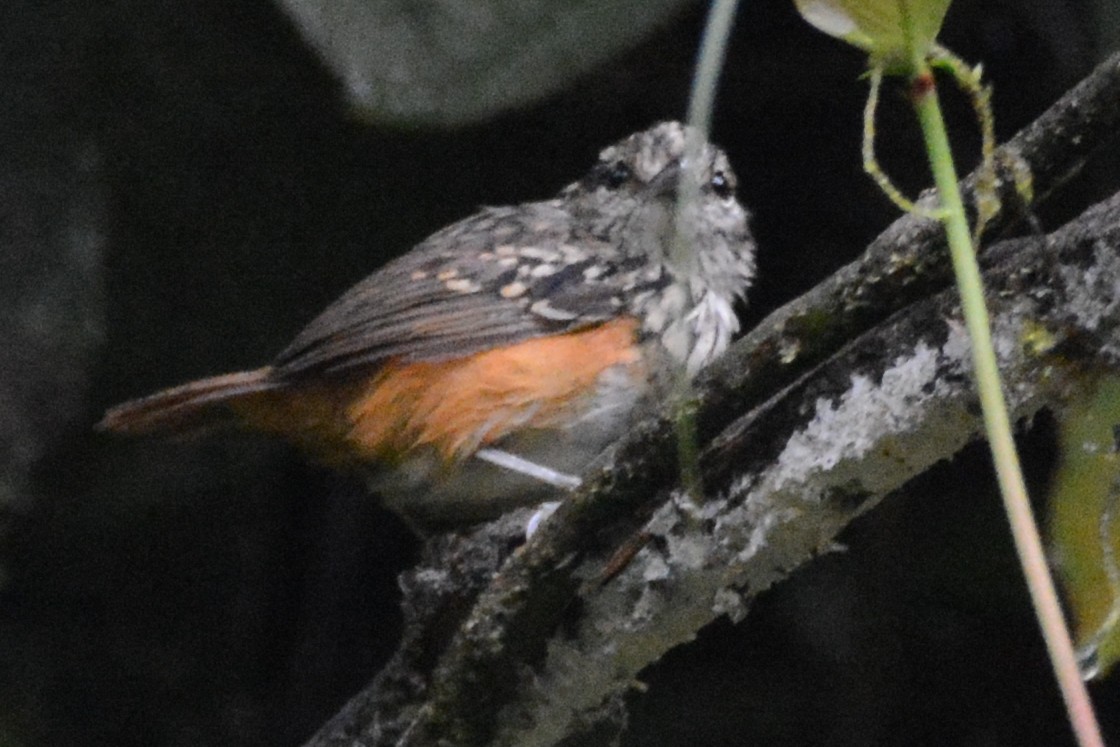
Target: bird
(486,367)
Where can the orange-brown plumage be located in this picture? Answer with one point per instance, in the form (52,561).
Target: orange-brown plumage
(460,405)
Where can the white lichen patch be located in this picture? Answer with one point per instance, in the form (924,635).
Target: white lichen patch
(1094,290)
(729,602)
(847,427)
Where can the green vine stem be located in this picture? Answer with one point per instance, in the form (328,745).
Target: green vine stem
(1028,544)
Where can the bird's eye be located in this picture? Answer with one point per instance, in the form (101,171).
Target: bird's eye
(617,174)
(721,185)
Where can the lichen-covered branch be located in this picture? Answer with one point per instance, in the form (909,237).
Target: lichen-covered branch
(785,479)
(816,415)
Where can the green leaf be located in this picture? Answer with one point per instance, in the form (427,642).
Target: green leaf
(1083,509)
(895,33)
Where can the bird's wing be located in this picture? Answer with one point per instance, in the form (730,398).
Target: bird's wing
(499,277)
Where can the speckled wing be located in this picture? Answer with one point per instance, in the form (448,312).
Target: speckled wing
(499,277)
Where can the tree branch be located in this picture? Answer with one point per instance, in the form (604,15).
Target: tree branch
(786,478)
(811,420)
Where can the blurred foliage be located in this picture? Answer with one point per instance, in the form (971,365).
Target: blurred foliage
(1084,502)
(448,63)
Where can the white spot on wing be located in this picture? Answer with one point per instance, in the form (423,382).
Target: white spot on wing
(544,309)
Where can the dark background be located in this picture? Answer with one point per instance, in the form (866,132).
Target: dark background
(183,187)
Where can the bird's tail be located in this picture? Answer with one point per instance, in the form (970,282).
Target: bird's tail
(198,405)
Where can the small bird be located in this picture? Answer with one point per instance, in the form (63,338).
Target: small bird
(487,367)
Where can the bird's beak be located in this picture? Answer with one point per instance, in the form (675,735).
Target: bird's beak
(665,184)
